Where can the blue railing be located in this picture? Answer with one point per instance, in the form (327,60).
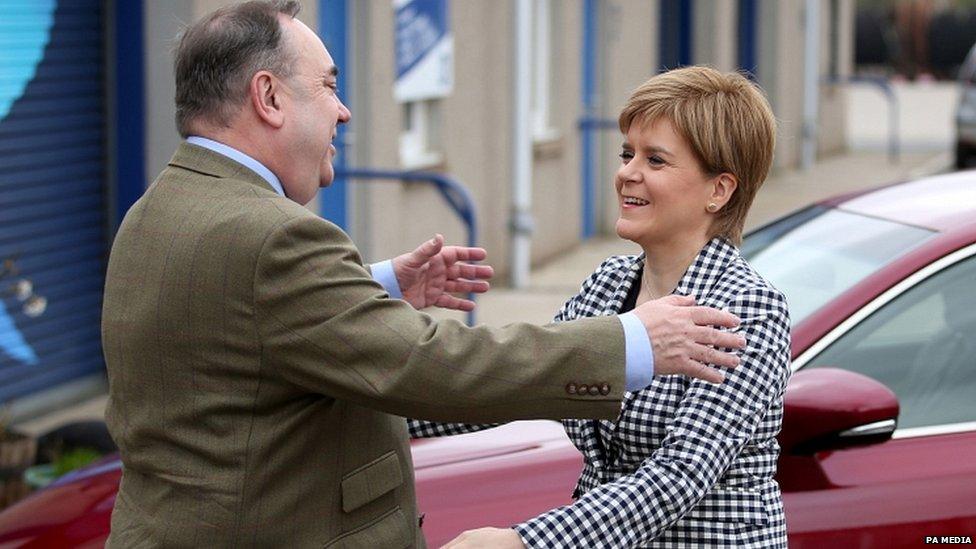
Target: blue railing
(454,193)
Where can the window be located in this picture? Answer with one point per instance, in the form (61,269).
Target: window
(543,61)
(803,256)
(921,346)
(420,136)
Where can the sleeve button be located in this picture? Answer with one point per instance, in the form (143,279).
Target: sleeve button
(605,389)
(582,388)
(594,390)
(571,388)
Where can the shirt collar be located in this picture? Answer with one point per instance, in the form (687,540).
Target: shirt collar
(239,157)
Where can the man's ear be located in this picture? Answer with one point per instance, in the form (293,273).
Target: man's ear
(266,96)
(723,185)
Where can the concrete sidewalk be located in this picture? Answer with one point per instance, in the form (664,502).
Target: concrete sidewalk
(553,283)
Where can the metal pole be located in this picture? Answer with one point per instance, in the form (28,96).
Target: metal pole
(811,82)
(521,212)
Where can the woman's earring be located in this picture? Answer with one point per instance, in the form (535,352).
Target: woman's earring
(712,207)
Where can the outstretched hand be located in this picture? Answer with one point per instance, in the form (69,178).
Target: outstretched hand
(431,273)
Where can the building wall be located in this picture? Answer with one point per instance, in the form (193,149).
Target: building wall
(387,218)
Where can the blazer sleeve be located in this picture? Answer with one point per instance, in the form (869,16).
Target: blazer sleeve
(326,326)
(569,311)
(709,429)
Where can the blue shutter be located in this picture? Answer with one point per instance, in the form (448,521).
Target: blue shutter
(52,189)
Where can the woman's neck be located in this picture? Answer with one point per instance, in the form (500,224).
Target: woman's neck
(665,264)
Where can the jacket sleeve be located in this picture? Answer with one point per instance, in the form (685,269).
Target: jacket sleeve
(326,326)
(709,429)
(429,429)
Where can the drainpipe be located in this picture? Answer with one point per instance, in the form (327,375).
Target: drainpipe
(520,223)
(811,82)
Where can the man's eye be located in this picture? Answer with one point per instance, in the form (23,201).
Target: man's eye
(655,160)
(626,156)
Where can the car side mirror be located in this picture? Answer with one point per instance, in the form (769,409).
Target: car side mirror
(830,409)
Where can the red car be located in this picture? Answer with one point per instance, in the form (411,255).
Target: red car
(879,435)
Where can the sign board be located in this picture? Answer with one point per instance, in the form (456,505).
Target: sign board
(424,50)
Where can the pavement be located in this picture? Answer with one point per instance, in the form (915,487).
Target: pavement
(551,284)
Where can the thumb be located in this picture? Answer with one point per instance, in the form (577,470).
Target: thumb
(429,248)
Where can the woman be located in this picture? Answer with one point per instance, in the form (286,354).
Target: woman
(687,463)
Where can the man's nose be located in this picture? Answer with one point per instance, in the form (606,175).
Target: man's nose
(344,114)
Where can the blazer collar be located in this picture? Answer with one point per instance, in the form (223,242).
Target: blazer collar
(202,160)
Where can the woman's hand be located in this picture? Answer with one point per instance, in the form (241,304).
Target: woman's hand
(494,538)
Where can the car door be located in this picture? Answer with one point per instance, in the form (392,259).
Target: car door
(918,339)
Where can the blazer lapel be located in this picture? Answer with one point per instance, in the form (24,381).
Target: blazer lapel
(631,276)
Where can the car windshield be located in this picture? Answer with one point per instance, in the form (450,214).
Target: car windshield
(815,254)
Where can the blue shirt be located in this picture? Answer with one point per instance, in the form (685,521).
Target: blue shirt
(637,345)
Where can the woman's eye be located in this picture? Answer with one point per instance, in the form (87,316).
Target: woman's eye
(655,160)
(626,156)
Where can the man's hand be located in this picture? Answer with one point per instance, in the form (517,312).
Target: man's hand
(494,538)
(683,339)
(431,273)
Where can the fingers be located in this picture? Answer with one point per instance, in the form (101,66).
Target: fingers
(707,316)
(701,371)
(709,355)
(454,303)
(716,338)
(467,254)
(466,286)
(471,272)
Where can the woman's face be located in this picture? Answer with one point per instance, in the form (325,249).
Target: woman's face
(662,190)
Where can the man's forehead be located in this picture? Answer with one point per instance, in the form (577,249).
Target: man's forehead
(309,45)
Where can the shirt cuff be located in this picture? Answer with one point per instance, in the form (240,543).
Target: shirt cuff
(640,357)
(383,273)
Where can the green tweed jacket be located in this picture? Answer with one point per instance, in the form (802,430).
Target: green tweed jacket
(258,375)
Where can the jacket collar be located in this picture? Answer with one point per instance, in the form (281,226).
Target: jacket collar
(202,160)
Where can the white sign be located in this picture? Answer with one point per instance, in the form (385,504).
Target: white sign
(424,50)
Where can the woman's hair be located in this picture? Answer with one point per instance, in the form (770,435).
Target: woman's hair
(728,123)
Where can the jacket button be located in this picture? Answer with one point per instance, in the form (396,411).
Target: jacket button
(583,388)
(594,390)
(571,388)
(605,389)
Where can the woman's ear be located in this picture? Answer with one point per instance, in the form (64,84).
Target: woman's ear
(723,185)
(266,97)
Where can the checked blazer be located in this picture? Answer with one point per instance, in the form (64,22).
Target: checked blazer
(686,463)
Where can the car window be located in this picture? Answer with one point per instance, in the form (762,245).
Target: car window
(816,254)
(921,345)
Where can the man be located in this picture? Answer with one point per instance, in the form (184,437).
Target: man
(257,372)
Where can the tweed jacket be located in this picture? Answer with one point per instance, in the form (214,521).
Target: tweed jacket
(258,375)
(686,463)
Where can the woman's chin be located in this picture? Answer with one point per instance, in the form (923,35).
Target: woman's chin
(626,230)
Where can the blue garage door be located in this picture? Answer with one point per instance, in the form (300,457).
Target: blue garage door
(52,192)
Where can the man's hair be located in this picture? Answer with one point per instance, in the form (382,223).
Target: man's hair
(728,123)
(218,55)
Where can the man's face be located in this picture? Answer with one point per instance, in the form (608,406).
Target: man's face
(312,112)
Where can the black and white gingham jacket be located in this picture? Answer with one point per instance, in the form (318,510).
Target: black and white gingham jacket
(687,463)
